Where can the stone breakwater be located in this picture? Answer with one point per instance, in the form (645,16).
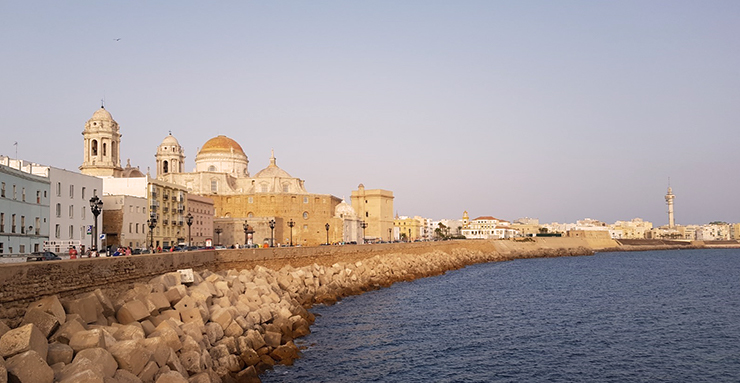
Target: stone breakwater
(225,326)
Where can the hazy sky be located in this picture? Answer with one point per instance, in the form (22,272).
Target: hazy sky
(558,110)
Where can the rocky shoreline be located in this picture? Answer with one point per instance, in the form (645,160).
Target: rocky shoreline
(227,326)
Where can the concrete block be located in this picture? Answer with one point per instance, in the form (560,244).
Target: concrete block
(87,376)
(50,305)
(130,355)
(129,332)
(248,375)
(100,357)
(123,376)
(171,377)
(285,354)
(67,330)
(148,373)
(255,339)
(59,352)
(87,339)
(195,330)
(203,377)
(214,332)
(173,362)
(191,362)
(132,311)
(3,371)
(250,357)
(29,367)
(170,314)
(189,344)
(148,327)
(108,309)
(185,303)
(191,315)
(221,316)
(169,335)
(87,307)
(272,339)
(45,322)
(3,328)
(234,330)
(69,371)
(22,339)
(159,300)
(158,348)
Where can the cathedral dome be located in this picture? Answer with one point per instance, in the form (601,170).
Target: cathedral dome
(221,144)
(102,115)
(170,140)
(344,210)
(272,170)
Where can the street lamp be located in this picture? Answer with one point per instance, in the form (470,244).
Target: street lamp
(327,233)
(363,225)
(189,220)
(291,224)
(218,231)
(246,234)
(96,205)
(152,223)
(272,231)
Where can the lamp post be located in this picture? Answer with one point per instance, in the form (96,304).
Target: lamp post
(363,225)
(218,231)
(291,224)
(96,205)
(189,220)
(152,223)
(327,233)
(390,237)
(272,231)
(246,234)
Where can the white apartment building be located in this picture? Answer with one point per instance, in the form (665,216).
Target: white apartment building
(487,227)
(70,216)
(24,208)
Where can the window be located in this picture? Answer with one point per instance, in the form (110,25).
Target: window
(137,227)
(104,147)
(95,147)
(14,192)
(71,232)
(12,223)
(211,168)
(38,226)
(2,190)
(23,224)
(1,248)
(263,188)
(130,227)
(286,188)
(71,211)
(251,200)
(165,167)
(95,192)
(82,215)
(22,248)
(23,194)
(214,186)
(59,189)
(38,197)
(59,210)
(71,191)
(2,222)
(130,208)
(83,192)
(305,215)
(57,231)
(305,199)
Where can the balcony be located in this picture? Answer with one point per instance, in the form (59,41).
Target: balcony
(179,223)
(166,221)
(165,209)
(165,196)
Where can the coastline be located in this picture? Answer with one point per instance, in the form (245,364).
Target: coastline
(245,307)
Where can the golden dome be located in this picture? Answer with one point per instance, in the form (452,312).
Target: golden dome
(221,144)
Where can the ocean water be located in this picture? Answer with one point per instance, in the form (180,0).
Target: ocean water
(662,316)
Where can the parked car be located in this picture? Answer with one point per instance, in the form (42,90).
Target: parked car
(43,256)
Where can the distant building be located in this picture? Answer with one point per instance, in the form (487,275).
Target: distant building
(201,208)
(409,229)
(634,229)
(487,227)
(375,208)
(125,223)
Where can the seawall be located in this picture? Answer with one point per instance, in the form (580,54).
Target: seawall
(22,283)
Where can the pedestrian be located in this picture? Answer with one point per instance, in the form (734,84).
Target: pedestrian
(72,253)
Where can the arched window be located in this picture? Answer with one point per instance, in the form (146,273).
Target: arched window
(263,187)
(211,168)
(104,146)
(286,187)
(214,186)
(305,215)
(94,147)
(165,167)
(250,215)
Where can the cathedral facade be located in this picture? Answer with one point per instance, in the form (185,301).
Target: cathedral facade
(245,204)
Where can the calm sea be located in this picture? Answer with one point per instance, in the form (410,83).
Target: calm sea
(662,316)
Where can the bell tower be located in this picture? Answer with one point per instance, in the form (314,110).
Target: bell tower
(170,157)
(102,141)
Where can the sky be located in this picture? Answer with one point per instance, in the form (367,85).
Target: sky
(556,110)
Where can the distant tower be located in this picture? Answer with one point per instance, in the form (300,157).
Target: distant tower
(669,200)
(465,219)
(170,157)
(102,141)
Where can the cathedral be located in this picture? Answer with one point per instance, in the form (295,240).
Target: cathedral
(246,203)
(270,206)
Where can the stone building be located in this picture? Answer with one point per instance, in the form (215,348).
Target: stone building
(222,174)
(487,227)
(375,208)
